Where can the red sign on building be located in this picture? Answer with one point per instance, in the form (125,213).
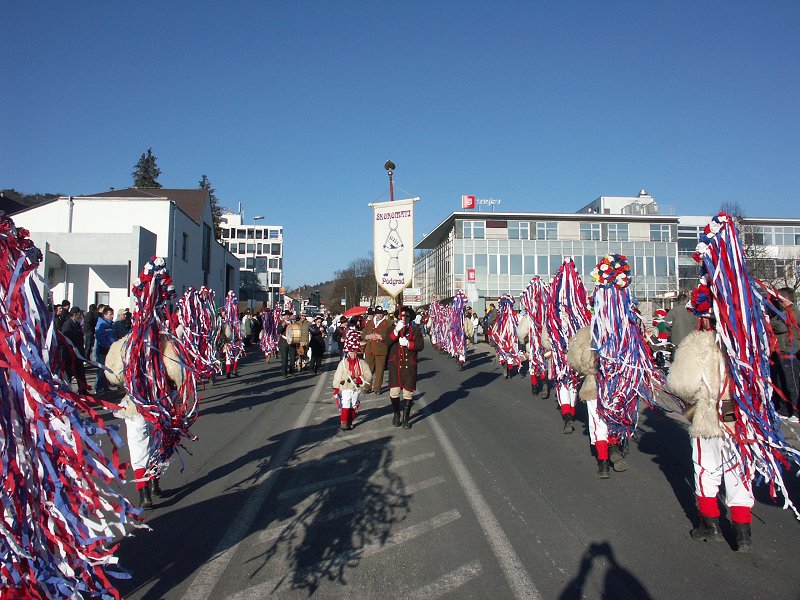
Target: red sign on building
(467,201)
(471,275)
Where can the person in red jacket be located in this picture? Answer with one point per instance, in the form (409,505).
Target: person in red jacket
(405,341)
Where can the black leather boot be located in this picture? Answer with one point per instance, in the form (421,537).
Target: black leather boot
(547,393)
(569,426)
(407,414)
(708,530)
(603,469)
(743,541)
(617,460)
(145,499)
(396,408)
(155,488)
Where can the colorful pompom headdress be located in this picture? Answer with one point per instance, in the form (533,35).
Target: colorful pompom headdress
(352,343)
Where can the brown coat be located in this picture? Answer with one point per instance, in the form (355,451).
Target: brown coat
(376,347)
(402,362)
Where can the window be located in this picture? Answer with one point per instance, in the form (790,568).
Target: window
(547,230)
(258,248)
(519,230)
(542,267)
(503,264)
(206,258)
(251,234)
(249,263)
(529,265)
(474,230)
(516,264)
(241,234)
(241,248)
(615,232)
(590,231)
(274,263)
(480,263)
(185,247)
(259,234)
(223,232)
(274,234)
(659,233)
(275,278)
(687,245)
(233,247)
(251,248)
(275,249)
(493,264)
(758,236)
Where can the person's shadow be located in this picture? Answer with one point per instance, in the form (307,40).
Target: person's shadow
(617,583)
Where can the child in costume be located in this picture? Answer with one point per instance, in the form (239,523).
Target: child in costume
(352,376)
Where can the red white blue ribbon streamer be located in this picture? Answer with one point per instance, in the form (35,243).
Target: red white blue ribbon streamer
(234,348)
(504,333)
(568,311)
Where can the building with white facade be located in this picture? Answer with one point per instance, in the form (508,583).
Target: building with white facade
(95,246)
(259,249)
(492,253)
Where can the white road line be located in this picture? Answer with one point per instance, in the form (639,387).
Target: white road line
(447,583)
(274,533)
(209,574)
(321,485)
(266,588)
(513,569)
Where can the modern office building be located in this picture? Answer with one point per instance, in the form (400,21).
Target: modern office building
(259,249)
(492,253)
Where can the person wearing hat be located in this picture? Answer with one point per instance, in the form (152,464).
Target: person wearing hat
(351,377)
(316,342)
(404,342)
(302,326)
(375,349)
(73,365)
(339,335)
(286,347)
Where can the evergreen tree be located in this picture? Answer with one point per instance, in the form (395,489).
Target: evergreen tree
(216,209)
(146,172)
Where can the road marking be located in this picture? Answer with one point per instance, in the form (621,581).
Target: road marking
(210,573)
(513,569)
(273,533)
(321,485)
(266,588)
(447,583)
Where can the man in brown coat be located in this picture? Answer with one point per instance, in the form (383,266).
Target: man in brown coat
(404,341)
(375,349)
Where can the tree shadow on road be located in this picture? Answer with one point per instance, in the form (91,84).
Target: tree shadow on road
(478,380)
(618,582)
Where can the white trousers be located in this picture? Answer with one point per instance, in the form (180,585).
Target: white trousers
(566,394)
(715,463)
(137,431)
(598,429)
(350,398)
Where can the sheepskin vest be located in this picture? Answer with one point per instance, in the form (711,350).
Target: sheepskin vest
(697,375)
(583,360)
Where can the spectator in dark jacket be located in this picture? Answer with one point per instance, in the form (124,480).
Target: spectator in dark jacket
(122,325)
(89,323)
(73,331)
(103,338)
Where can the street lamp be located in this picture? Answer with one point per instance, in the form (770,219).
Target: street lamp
(389,166)
(253,280)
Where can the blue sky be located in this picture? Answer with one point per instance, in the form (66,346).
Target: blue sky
(291,108)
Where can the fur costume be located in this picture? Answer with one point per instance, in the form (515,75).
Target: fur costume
(583,360)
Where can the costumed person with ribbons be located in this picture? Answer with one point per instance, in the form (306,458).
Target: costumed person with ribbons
(532,332)
(458,336)
(270,338)
(61,507)
(352,376)
(504,336)
(375,348)
(613,355)
(405,341)
(234,347)
(567,312)
(161,401)
(197,317)
(723,373)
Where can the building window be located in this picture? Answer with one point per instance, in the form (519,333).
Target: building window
(615,232)
(590,231)
(659,233)
(474,230)
(274,263)
(274,234)
(206,258)
(241,234)
(250,234)
(233,247)
(185,247)
(493,264)
(519,230)
(249,263)
(223,232)
(259,234)
(547,230)
(275,249)
(251,248)
(275,278)
(516,264)
(241,248)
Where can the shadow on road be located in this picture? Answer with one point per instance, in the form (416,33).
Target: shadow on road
(618,582)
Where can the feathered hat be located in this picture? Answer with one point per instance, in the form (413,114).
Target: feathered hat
(352,343)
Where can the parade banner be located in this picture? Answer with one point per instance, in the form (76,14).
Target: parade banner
(394,244)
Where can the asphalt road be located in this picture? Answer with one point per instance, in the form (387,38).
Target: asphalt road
(483,498)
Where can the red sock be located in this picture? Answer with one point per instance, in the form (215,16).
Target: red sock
(141,482)
(236,365)
(708,506)
(228,368)
(565,410)
(351,414)
(741,514)
(534,380)
(602,449)
(343,418)
(572,410)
